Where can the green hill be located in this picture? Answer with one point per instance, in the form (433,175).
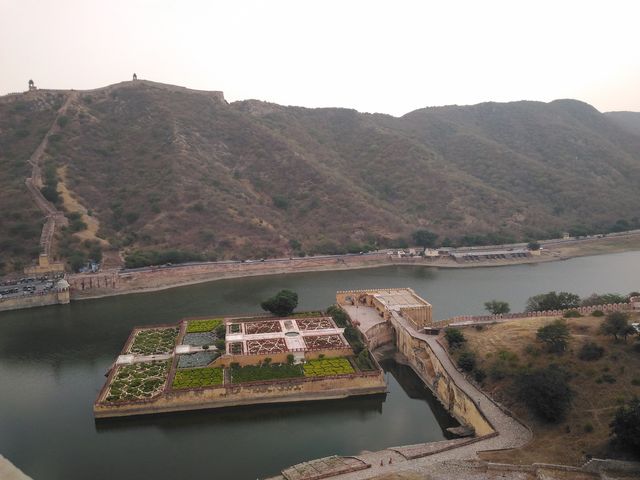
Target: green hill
(163,167)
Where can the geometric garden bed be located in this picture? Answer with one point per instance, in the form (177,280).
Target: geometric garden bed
(138,381)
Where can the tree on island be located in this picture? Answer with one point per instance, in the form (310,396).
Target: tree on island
(424,238)
(552,301)
(496,307)
(617,325)
(282,303)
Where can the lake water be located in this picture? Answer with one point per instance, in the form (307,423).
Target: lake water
(52,362)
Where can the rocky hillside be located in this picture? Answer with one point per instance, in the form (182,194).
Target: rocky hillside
(159,167)
(629,121)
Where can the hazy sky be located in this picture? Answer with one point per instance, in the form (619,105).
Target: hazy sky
(391,57)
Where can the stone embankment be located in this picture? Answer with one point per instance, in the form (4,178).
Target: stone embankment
(117,282)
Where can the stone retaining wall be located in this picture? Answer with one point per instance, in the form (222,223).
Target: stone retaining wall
(292,390)
(427,365)
(34,300)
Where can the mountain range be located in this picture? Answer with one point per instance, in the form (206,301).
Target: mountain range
(150,167)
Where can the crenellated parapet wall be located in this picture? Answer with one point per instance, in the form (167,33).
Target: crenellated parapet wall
(633,305)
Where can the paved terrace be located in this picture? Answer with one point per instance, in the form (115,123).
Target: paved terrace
(290,331)
(367,317)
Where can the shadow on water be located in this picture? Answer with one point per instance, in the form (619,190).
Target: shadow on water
(414,388)
(252,415)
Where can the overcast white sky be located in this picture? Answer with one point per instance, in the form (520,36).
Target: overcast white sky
(390,57)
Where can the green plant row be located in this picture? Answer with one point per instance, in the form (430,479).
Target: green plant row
(197,377)
(328,366)
(200,326)
(256,373)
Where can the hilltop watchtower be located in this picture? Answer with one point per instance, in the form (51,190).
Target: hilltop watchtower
(135,77)
(32,86)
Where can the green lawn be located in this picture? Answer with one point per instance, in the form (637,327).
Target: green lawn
(327,366)
(207,325)
(255,373)
(197,377)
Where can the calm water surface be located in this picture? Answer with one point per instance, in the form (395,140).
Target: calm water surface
(52,362)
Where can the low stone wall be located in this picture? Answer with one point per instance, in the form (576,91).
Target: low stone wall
(292,390)
(462,319)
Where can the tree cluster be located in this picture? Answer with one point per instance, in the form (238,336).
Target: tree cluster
(552,301)
(617,325)
(282,303)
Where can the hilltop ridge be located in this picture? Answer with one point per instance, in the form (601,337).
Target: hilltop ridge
(159,168)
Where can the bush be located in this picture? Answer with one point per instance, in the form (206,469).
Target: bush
(339,315)
(290,359)
(597,313)
(590,351)
(545,392)
(455,337)
(572,314)
(282,303)
(363,360)
(498,371)
(625,427)
(50,193)
(607,378)
(479,375)
(555,335)
(617,325)
(467,361)
(588,427)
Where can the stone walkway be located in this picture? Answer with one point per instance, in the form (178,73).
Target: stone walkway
(8,471)
(511,433)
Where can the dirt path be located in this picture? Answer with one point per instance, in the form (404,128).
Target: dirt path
(72,204)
